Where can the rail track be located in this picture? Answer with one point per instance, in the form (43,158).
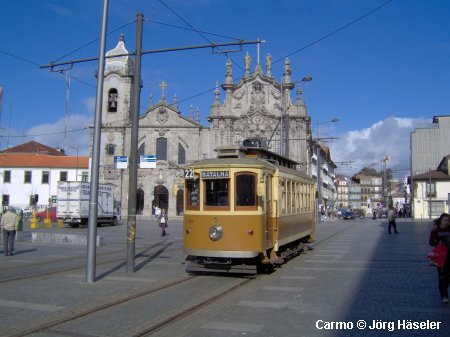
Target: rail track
(187,294)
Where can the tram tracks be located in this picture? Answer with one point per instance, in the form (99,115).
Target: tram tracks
(159,317)
(74,319)
(71,264)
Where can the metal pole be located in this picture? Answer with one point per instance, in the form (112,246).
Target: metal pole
(76,174)
(429,194)
(134,116)
(282,121)
(319,213)
(92,224)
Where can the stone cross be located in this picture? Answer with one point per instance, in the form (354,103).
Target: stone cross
(163,86)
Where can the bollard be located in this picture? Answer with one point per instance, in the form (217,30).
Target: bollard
(47,220)
(33,223)
(60,224)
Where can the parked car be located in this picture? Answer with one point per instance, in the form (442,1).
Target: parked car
(43,214)
(27,212)
(348,215)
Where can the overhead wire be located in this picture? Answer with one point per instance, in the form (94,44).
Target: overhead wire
(198,32)
(195,30)
(201,33)
(335,31)
(48,134)
(95,40)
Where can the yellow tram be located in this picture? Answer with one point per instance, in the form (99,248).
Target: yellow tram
(248,208)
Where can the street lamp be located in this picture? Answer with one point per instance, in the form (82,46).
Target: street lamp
(76,148)
(319,195)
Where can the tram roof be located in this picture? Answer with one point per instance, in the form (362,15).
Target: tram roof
(255,162)
(255,152)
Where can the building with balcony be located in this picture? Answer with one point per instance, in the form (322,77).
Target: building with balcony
(371,191)
(324,167)
(342,186)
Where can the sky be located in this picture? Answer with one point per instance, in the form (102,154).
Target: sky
(379,66)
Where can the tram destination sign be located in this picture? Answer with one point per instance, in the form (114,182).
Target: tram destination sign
(215,174)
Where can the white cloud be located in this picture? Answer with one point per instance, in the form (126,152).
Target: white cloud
(389,137)
(89,103)
(54,135)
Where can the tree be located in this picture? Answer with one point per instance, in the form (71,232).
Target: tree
(369,171)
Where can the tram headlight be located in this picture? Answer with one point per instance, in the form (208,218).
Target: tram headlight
(215,232)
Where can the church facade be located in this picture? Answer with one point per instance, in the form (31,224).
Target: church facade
(254,106)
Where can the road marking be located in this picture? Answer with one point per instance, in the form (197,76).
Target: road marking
(116,278)
(235,327)
(331,268)
(298,277)
(281,288)
(30,306)
(261,304)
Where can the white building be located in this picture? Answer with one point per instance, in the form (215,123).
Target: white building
(33,169)
(432,191)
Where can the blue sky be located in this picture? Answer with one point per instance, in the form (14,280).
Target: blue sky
(380,75)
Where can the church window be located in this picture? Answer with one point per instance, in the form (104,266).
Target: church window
(112,100)
(181,154)
(110,149)
(161,148)
(141,152)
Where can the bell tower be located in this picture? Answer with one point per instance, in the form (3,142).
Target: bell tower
(117,93)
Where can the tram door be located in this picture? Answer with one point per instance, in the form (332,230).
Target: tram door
(268,206)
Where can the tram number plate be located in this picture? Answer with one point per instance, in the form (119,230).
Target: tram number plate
(189,174)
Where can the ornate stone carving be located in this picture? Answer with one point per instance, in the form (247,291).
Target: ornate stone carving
(162,115)
(257,100)
(238,95)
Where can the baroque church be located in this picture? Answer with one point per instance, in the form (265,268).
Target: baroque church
(254,106)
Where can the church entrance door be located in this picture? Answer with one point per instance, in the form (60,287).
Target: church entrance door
(139,201)
(161,197)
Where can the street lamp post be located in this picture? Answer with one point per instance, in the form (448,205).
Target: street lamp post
(385,194)
(319,187)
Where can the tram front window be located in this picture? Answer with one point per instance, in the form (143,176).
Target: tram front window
(192,196)
(216,192)
(245,189)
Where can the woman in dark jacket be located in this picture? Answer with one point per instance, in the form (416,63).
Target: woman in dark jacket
(163,221)
(441,234)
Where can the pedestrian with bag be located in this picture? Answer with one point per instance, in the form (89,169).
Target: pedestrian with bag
(9,225)
(391,215)
(163,221)
(440,235)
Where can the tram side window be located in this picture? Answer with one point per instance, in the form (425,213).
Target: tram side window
(192,193)
(245,189)
(283,196)
(216,192)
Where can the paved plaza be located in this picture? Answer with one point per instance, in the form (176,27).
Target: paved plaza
(358,281)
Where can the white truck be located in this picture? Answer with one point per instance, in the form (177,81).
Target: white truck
(73,203)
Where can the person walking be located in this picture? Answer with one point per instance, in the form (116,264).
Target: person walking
(391,218)
(163,221)
(441,234)
(157,212)
(9,225)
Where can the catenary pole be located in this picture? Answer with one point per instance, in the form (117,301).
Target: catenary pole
(134,116)
(93,198)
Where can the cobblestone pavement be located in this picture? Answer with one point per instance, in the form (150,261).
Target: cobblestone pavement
(357,274)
